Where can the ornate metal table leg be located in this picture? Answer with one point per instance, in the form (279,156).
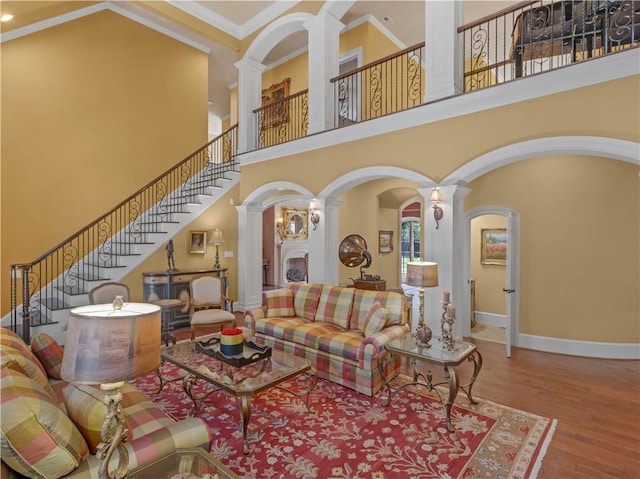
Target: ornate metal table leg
(244,408)
(188,382)
(305,394)
(477,366)
(452,378)
(385,358)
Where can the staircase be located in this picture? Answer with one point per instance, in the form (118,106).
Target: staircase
(43,291)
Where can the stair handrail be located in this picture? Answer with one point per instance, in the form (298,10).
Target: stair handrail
(26,268)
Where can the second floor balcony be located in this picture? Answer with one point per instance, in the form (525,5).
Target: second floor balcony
(526,39)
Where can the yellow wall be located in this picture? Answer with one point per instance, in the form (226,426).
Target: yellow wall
(92,110)
(591,205)
(490,278)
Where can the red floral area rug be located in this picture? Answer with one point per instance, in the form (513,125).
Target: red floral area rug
(350,435)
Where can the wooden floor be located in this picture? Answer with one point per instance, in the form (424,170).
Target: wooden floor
(595,401)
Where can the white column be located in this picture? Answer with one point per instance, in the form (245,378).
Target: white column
(324,56)
(249,98)
(249,257)
(443,49)
(443,245)
(323,243)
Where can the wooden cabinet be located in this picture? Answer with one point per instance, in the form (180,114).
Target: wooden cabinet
(175,285)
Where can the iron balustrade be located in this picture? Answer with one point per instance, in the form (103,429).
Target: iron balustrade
(389,85)
(533,37)
(45,284)
(283,120)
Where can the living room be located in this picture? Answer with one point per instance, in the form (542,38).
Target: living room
(106,117)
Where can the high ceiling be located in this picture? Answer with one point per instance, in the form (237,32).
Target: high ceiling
(220,25)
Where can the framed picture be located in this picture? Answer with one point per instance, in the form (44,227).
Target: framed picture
(385,241)
(197,242)
(273,110)
(493,247)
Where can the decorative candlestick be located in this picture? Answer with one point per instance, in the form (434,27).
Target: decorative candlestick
(446,324)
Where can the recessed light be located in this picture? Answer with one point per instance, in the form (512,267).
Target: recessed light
(6,17)
(387,19)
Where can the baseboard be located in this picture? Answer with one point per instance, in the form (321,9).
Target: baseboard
(574,347)
(491,318)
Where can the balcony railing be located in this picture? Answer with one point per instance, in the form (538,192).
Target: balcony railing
(388,85)
(283,120)
(533,37)
(46,284)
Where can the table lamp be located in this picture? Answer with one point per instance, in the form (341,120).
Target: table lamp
(217,239)
(422,274)
(108,346)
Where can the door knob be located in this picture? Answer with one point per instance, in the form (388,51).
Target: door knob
(508,290)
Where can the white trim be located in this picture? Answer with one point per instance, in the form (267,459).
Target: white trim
(374,21)
(288,57)
(590,349)
(99,7)
(267,15)
(499,320)
(208,16)
(620,65)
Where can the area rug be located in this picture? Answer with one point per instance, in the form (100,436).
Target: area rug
(350,435)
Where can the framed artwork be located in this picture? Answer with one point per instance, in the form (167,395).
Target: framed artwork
(197,242)
(493,247)
(295,222)
(274,111)
(385,241)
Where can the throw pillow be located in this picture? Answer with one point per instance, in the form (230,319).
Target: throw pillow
(279,303)
(375,320)
(36,439)
(29,366)
(49,353)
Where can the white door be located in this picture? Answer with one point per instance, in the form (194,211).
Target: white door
(511,286)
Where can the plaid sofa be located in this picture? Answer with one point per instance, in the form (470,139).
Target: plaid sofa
(50,428)
(341,331)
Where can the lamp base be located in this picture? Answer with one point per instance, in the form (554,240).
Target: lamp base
(113,435)
(423,335)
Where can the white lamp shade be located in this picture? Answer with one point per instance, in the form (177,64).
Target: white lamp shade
(423,274)
(216,237)
(107,346)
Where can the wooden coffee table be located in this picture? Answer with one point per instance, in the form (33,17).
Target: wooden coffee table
(243,382)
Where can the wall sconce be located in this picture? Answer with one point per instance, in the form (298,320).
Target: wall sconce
(438,213)
(315,217)
(280,230)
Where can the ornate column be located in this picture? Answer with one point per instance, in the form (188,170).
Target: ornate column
(249,92)
(443,50)
(324,37)
(249,256)
(444,246)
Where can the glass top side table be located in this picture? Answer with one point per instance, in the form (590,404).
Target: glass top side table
(408,347)
(184,464)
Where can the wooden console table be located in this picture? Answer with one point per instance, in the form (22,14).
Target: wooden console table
(158,285)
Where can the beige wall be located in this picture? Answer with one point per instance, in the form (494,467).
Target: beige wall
(489,278)
(574,281)
(92,110)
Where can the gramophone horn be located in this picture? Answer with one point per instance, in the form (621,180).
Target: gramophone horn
(353,251)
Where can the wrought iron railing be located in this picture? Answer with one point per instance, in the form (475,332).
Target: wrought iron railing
(46,284)
(283,120)
(533,37)
(389,85)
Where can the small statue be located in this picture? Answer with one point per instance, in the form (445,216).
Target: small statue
(169,250)
(423,334)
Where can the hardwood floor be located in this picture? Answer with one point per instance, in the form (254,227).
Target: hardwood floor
(595,401)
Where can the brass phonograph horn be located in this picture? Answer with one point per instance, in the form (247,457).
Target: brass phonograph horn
(353,252)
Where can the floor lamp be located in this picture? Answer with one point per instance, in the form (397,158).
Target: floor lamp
(422,274)
(108,346)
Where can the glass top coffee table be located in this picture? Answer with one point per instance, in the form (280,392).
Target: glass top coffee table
(183,464)
(408,347)
(241,382)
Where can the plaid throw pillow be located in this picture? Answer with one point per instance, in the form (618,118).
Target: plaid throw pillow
(49,353)
(279,303)
(375,320)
